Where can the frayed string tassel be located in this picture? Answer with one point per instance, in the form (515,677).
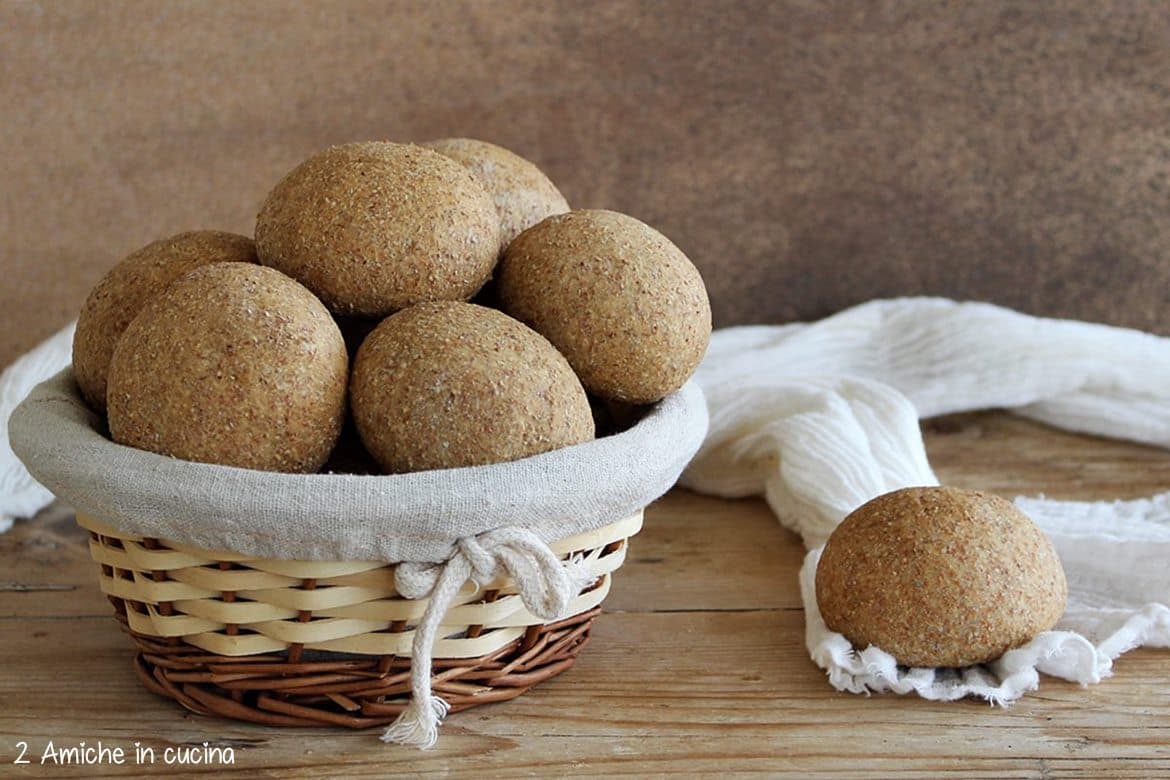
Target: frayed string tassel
(418,724)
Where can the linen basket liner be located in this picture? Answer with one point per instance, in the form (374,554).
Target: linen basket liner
(403,517)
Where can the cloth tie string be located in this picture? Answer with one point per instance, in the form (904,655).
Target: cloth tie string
(546,585)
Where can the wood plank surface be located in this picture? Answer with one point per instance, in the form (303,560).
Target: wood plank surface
(698,666)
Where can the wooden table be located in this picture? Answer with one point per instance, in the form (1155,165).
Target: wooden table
(698,666)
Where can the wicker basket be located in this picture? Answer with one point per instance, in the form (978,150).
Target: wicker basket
(339,636)
(309,643)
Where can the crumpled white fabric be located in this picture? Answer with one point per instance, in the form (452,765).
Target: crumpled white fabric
(821,418)
(20,494)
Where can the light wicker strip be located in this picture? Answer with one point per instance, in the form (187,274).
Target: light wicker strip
(200,617)
(272,612)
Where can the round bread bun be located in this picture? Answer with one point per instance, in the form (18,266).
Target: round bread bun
(444,385)
(938,576)
(126,287)
(624,304)
(233,364)
(523,194)
(375,227)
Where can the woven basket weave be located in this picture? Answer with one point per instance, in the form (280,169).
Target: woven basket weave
(309,643)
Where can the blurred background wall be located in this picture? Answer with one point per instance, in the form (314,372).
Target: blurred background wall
(806,155)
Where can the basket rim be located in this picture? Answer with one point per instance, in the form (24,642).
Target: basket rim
(415,516)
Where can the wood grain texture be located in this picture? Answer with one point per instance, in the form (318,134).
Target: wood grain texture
(698,667)
(806,155)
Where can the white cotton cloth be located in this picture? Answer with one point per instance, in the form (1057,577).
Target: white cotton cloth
(20,494)
(821,418)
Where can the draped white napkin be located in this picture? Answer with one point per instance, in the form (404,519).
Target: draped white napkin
(20,494)
(820,418)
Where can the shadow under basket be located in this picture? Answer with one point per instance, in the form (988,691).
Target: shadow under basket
(314,643)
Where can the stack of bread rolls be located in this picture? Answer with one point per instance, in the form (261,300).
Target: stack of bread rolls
(350,310)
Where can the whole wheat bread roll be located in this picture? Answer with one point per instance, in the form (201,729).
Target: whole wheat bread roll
(116,300)
(615,296)
(938,576)
(374,227)
(232,364)
(443,385)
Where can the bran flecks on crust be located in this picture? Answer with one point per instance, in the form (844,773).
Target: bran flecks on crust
(624,304)
(940,577)
(443,385)
(375,227)
(232,364)
(116,300)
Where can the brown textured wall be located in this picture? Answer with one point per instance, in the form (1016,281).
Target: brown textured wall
(806,155)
